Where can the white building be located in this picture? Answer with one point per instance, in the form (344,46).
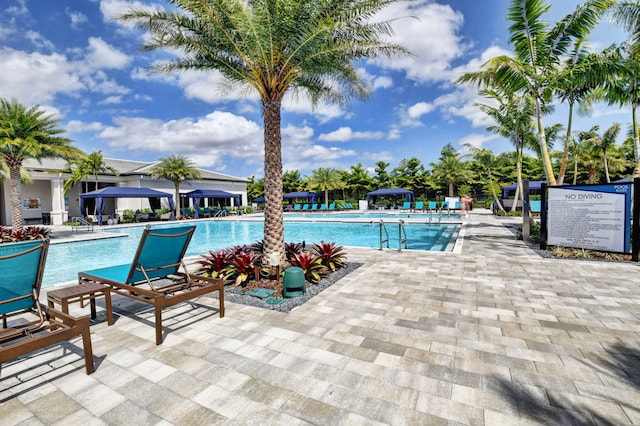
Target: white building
(45,196)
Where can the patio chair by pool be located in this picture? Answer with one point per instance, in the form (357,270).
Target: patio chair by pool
(202,213)
(37,325)
(433,206)
(323,206)
(297,207)
(186,213)
(332,206)
(314,206)
(305,207)
(406,206)
(419,206)
(153,276)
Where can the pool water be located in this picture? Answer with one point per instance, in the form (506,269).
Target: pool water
(391,215)
(67,259)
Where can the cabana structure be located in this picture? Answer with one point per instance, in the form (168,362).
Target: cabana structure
(123,192)
(199,194)
(387,192)
(308,195)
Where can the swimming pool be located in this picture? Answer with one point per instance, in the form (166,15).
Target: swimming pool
(390,215)
(67,259)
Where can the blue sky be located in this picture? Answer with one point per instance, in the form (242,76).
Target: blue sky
(73,59)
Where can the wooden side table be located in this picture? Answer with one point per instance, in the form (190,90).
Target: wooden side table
(82,292)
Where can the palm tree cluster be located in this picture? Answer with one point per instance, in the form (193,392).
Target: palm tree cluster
(551,64)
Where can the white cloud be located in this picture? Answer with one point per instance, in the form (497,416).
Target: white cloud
(420,109)
(38,40)
(430,31)
(76,18)
(101,55)
(111,100)
(206,140)
(35,78)
(345,134)
(76,126)
(476,139)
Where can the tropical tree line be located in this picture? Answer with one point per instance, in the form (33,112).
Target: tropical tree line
(553,65)
(478,172)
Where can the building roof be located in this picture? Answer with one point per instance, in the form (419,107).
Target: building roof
(124,168)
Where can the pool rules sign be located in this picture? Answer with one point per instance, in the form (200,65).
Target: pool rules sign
(593,217)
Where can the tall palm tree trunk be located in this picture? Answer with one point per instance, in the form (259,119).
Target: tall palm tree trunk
(567,142)
(544,149)
(636,139)
(16,196)
(273,214)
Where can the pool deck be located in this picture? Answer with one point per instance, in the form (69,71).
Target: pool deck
(493,334)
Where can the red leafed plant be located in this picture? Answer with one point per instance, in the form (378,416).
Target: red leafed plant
(214,263)
(241,266)
(310,264)
(331,255)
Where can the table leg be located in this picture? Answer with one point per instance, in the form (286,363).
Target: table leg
(92,301)
(107,303)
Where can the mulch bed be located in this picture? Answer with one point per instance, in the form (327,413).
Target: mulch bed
(239,295)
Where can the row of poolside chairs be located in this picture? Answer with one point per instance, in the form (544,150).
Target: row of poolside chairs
(156,276)
(188,213)
(322,207)
(430,206)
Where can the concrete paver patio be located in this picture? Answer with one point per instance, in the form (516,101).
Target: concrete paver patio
(494,334)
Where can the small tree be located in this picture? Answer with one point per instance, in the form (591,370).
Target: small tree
(24,134)
(177,169)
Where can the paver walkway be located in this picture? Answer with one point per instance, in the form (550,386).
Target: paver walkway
(491,335)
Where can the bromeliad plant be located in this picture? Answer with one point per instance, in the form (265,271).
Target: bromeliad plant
(7,235)
(310,264)
(331,255)
(241,266)
(214,264)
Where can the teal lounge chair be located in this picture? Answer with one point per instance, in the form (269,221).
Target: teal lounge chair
(186,213)
(38,326)
(535,207)
(153,276)
(297,207)
(433,206)
(314,206)
(305,207)
(332,206)
(419,206)
(406,205)
(323,206)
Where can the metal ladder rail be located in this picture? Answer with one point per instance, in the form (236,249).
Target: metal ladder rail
(83,222)
(402,236)
(383,227)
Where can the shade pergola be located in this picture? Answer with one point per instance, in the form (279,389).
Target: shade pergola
(408,195)
(199,194)
(123,192)
(533,185)
(311,196)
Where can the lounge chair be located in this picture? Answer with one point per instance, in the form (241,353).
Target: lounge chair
(314,206)
(406,206)
(305,207)
(186,213)
(202,213)
(332,206)
(297,207)
(153,276)
(38,326)
(323,206)
(535,207)
(418,206)
(433,206)
(207,212)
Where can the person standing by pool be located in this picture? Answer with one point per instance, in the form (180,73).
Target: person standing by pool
(465,204)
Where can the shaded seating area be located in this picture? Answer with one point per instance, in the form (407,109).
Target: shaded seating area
(121,192)
(198,194)
(34,326)
(390,193)
(154,276)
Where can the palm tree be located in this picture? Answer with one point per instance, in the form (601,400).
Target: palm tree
(625,89)
(91,165)
(538,52)
(513,118)
(177,169)
(24,134)
(486,161)
(451,169)
(325,180)
(273,47)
